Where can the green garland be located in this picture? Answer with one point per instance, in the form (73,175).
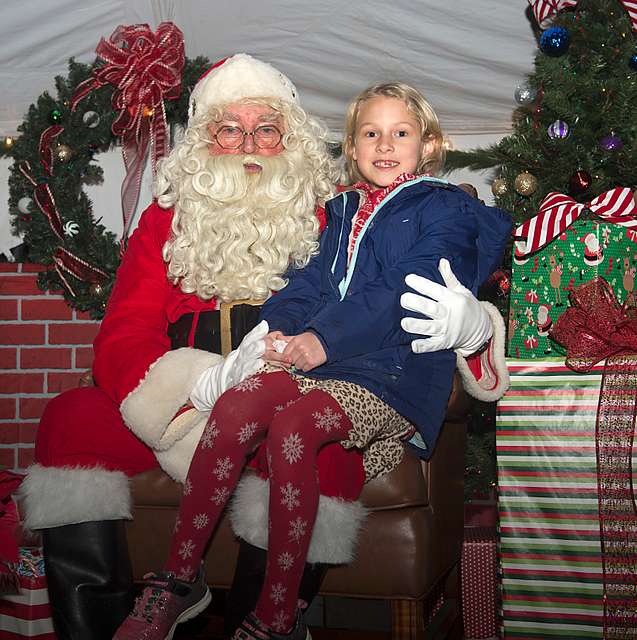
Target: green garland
(84,237)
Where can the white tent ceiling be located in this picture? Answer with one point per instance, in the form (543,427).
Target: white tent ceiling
(466,55)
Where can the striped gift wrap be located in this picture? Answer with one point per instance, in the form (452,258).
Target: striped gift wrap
(550,551)
(27,615)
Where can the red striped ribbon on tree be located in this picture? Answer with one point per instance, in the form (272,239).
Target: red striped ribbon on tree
(45,150)
(544,10)
(558,211)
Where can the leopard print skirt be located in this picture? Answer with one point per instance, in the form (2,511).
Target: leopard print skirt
(377,430)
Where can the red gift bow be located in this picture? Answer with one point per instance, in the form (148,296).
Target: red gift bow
(544,10)
(145,68)
(558,211)
(595,326)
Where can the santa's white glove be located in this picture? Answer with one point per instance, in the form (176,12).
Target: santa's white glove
(457,319)
(237,366)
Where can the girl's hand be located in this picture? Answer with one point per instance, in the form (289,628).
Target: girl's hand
(274,354)
(305,351)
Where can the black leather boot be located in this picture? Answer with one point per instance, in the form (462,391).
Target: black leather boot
(89,577)
(248,580)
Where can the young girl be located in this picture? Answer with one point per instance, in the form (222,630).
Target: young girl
(349,374)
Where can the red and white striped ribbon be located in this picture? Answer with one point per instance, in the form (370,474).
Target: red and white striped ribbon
(558,211)
(631,7)
(544,10)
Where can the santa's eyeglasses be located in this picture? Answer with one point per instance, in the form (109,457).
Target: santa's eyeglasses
(265,136)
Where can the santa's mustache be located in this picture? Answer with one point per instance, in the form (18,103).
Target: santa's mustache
(231,178)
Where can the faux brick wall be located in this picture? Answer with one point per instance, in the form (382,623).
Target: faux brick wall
(45,347)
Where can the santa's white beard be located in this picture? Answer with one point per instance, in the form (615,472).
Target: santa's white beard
(235,233)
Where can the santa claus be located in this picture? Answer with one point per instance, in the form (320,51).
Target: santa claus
(235,205)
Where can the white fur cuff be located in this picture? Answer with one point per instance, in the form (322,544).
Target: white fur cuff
(149,409)
(57,496)
(175,461)
(494,380)
(335,531)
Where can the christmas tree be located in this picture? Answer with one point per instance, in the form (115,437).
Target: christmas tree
(575,130)
(574,133)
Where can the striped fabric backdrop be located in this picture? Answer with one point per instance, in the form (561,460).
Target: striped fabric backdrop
(550,554)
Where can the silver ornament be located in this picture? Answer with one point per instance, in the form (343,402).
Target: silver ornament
(91,119)
(524,94)
(24,204)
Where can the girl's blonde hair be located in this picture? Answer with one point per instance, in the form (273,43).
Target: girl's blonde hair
(423,112)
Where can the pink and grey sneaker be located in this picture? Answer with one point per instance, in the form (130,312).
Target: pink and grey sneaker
(163,604)
(253,629)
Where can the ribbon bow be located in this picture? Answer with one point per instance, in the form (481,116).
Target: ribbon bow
(595,326)
(544,10)
(558,212)
(145,68)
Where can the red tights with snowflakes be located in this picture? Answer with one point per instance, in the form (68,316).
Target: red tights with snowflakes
(295,426)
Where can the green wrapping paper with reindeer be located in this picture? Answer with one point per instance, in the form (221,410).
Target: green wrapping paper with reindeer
(541,281)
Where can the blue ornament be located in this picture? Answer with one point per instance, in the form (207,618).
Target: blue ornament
(558,130)
(632,63)
(555,41)
(611,143)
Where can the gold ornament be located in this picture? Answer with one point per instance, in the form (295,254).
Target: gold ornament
(525,184)
(499,187)
(147,111)
(96,289)
(8,142)
(63,152)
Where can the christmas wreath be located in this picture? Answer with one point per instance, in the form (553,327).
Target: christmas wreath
(137,87)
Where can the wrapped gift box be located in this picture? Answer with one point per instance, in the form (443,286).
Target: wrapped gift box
(541,282)
(28,614)
(550,551)
(479,583)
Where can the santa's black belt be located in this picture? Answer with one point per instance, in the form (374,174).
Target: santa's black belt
(218,331)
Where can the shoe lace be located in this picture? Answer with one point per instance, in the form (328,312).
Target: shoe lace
(152,599)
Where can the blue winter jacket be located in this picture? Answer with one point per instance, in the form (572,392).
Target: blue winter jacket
(355,309)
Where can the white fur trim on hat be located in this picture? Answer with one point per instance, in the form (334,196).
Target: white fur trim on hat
(238,77)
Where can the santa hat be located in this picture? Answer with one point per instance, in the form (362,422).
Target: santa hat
(238,77)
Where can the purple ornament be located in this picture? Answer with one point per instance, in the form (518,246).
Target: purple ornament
(558,130)
(611,143)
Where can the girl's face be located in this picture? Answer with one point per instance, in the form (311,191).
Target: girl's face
(387,141)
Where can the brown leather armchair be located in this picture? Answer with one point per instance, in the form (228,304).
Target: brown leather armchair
(408,551)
